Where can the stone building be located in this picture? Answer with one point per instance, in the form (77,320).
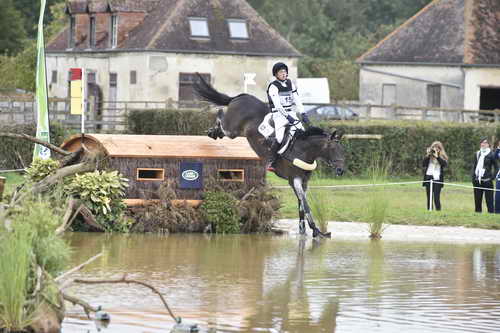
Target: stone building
(447,55)
(150,50)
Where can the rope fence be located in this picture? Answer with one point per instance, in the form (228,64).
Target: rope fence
(432,182)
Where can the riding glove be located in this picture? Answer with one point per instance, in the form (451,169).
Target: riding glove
(305,118)
(290,119)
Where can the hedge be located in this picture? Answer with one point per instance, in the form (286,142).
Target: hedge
(18,153)
(403,143)
(170,122)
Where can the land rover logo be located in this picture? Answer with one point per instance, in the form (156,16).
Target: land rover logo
(190,175)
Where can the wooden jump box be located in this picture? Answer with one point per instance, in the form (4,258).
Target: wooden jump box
(188,161)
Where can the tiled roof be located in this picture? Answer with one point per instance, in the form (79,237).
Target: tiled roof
(444,32)
(166,28)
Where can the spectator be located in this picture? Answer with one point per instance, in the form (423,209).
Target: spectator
(482,176)
(435,161)
(497,185)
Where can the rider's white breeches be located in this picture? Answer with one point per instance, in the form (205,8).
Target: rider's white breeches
(280,123)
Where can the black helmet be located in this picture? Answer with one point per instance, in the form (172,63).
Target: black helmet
(278,66)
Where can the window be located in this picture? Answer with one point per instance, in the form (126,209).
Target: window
(232,175)
(91,77)
(53,78)
(238,29)
(147,174)
(187,96)
(71,39)
(92,32)
(388,94)
(114,31)
(434,95)
(69,84)
(199,27)
(133,77)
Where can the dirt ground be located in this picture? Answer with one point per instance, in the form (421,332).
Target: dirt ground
(356,230)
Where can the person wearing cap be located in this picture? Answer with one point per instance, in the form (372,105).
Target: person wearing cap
(482,176)
(282,95)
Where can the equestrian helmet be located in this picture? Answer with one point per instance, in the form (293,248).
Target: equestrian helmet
(278,66)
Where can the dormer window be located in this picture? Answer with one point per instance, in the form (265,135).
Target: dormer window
(237,28)
(199,27)
(114,31)
(92,32)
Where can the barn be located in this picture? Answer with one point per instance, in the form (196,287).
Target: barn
(188,161)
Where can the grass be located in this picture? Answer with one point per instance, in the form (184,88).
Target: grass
(15,261)
(407,203)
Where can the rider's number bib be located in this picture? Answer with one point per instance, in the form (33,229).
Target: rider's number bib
(286,99)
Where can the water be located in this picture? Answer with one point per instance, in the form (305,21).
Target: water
(261,283)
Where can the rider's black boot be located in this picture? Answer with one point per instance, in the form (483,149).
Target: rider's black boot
(273,150)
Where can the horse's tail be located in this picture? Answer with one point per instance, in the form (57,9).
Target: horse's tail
(208,93)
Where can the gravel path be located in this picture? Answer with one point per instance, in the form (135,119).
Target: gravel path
(356,230)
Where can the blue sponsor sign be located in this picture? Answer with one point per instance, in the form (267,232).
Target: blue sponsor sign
(191,175)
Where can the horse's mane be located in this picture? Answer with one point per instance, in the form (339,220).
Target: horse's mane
(310,131)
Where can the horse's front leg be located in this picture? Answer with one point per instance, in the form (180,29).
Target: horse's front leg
(301,196)
(302,222)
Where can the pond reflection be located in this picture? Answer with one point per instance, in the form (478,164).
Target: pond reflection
(256,283)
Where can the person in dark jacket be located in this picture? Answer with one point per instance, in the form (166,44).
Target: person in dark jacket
(435,161)
(483,175)
(497,185)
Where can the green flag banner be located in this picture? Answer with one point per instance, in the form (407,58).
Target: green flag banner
(42,128)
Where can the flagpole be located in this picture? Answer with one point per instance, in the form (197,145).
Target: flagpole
(42,101)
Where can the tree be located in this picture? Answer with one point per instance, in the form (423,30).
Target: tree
(12,32)
(30,10)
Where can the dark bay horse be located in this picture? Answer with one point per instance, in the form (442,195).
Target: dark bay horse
(244,115)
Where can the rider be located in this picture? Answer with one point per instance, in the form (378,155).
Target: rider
(282,95)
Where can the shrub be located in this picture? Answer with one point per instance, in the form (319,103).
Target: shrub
(40,168)
(219,209)
(103,193)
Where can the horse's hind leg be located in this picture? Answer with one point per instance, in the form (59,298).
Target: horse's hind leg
(217,132)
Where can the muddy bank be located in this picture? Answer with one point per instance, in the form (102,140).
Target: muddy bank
(354,230)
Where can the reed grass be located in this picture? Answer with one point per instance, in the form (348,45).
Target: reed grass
(16,311)
(319,207)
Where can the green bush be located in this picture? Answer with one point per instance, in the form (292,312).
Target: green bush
(219,209)
(18,153)
(103,193)
(170,122)
(40,168)
(404,145)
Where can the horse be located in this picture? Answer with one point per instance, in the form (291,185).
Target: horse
(244,115)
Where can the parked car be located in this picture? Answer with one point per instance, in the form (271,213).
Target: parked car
(331,112)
